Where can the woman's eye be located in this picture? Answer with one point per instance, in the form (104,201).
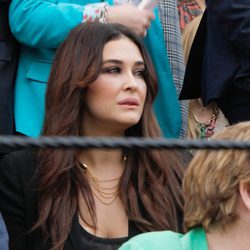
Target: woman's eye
(112,70)
(140,72)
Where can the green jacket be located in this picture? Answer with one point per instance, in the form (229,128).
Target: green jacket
(195,239)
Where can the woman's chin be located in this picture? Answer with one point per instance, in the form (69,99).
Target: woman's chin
(126,124)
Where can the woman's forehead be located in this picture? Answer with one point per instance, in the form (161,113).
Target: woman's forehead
(122,49)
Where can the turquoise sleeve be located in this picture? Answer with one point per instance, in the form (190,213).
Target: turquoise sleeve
(43,24)
(166,104)
(131,245)
(163,240)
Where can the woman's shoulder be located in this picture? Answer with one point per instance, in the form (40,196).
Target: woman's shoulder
(18,196)
(23,162)
(23,155)
(154,241)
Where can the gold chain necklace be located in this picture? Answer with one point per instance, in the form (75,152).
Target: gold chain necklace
(206,128)
(106,195)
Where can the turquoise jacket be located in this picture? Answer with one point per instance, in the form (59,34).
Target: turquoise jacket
(167,240)
(40,26)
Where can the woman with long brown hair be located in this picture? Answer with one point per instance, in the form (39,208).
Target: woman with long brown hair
(102,84)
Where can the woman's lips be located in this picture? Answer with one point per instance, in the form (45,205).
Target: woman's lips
(131,102)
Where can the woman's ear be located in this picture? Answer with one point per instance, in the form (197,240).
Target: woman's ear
(244,189)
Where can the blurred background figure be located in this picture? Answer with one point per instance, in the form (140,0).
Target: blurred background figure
(203,121)
(222,64)
(216,190)
(169,17)
(188,10)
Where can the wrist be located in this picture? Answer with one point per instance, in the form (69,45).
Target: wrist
(95,12)
(104,14)
(110,14)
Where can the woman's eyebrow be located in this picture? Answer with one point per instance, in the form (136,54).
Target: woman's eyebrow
(140,63)
(116,61)
(113,61)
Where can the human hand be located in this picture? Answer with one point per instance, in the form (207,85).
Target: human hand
(136,19)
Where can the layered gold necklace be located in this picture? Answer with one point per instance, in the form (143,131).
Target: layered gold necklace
(106,195)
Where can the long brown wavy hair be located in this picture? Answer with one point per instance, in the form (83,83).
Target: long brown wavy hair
(150,187)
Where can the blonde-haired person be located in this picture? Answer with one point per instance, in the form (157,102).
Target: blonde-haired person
(217,201)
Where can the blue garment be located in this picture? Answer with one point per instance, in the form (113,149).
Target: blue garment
(4,239)
(41,26)
(166,105)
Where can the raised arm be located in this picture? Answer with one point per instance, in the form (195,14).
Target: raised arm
(43,23)
(46,23)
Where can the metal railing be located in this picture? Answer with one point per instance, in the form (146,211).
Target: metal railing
(18,142)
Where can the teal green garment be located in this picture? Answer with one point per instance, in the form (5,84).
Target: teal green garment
(167,240)
(166,105)
(41,25)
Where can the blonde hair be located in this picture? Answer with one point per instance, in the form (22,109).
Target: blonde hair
(212,179)
(188,36)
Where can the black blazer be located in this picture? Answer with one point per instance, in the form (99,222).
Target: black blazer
(9,50)
(18,203)
(221,49)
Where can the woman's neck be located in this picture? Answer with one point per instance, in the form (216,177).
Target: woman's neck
(102,129)
(105,163)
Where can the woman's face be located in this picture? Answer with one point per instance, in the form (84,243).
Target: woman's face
(116,99)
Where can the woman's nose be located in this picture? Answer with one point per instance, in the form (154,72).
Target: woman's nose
(130,82)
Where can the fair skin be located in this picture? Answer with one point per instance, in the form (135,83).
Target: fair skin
(130,16)
(236,235)
(108,109)
(204,114)
(114,102)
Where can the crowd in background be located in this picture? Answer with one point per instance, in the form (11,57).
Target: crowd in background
(193,82)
